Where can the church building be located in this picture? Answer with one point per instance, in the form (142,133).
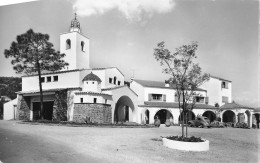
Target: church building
(100,95)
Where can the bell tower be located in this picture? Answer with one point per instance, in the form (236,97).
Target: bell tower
(76,46)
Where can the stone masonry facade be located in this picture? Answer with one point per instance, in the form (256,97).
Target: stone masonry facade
(23,108)
(97,113)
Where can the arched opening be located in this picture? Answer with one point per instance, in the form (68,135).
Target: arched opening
(82,46)
(229,116)
(190,116)
(68,44)
(114,80)
(210,115)
(147,116)
(256,119)
(248,117)
(164,115)
(124,110)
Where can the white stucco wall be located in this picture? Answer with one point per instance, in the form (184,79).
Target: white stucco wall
(76,58)
(89,98)
(138,89)
(10,110)
(170,93)
(111,73)
(65,80)
(92,86)
(215,92)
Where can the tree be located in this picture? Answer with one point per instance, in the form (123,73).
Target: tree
(33,53)
(185,75)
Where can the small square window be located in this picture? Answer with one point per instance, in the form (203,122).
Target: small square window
(42,79)
(81,100)
(118,82)
(55,78)
(93,82)
(48,78)
(95,100)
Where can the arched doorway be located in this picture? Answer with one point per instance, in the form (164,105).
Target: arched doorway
(191,116)
(248,117)
(210,115)
(229,116)
(123,110)
(163,115)
(147,116)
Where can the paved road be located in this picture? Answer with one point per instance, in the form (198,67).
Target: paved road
(17,147)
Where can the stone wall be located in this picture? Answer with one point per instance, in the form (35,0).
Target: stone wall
(23,108)
(98,113)
(60,106)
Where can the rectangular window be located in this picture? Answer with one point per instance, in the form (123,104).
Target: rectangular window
(55,78)
(224,99)
(81,100)
(42,79)
(105,101)
(110,80)
(155,97)
(200,99)
(224,85)
(48,78)
(118,82)
(95,100)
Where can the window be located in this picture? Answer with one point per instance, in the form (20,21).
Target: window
(110,80)
(82,46)
(224,85)
(55,78)
(118,83)
(42,79)
(48,78)
(155,97)
(68,44)
(114,80)
(105,101)
(224,99)
(93,82)
(200,99)
(207,100)
(95,100)
(81,100)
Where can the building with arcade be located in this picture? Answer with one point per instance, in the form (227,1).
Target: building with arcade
(100,95)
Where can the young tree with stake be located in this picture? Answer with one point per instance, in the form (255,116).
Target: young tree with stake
(185,75)
(32,52)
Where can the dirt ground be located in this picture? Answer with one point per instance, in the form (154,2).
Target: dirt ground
(43,143)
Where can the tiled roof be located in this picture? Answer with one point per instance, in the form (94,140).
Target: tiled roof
(91,77)
(257,109)
(220,78)
(67,71)
(234,105)
(157,84)
(174,105)
(46,90)
(117,87)
(96,93)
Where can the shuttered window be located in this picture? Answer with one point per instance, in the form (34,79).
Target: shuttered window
(224,99)
(164,97)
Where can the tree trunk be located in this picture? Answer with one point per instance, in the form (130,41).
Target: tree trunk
(186,124)
(41,95)
(183,109)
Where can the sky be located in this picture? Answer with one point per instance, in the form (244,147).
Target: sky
(124,33)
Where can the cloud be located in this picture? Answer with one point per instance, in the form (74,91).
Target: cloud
(133,10)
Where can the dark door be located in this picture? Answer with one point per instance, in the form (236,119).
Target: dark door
(47,110)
